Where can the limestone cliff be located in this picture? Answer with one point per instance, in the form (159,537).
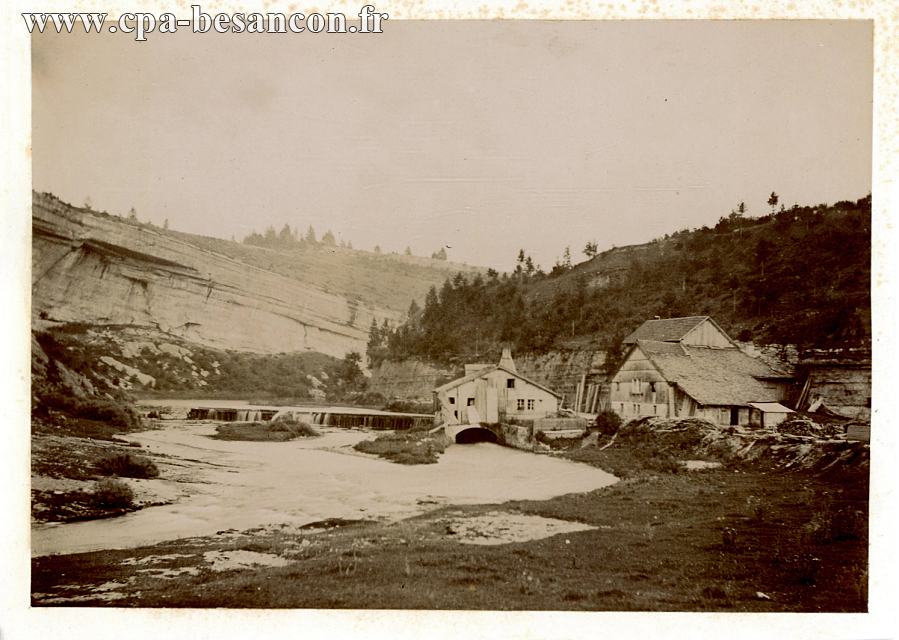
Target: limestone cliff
(561,370)
(93,268)
(411,380)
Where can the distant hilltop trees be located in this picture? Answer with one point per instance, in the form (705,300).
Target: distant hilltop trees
(294,238)
(288,238)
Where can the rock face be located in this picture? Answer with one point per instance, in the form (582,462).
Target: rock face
(97,269)
(561,370)
(409,379)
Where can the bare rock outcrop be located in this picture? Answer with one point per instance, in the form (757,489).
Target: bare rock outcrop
(98,269)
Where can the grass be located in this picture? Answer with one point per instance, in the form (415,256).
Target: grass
(658,545)
(280,431)
(108,497)
(405,447)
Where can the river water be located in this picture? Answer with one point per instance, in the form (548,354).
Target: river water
(240,485)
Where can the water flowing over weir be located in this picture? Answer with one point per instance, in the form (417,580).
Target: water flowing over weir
(241,485)
(348,418)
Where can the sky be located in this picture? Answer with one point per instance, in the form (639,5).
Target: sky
(483,137)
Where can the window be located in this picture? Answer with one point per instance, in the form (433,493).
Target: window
(456,415)
(452,400)
(469,402)
(520,404)
(530,404)
(510,383)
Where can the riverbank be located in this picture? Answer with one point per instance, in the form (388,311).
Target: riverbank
(710,540)
(241,485)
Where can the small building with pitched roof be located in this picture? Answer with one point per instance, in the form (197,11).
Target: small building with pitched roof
(493,393)
(680,367)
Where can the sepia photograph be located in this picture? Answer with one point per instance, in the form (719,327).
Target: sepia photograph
(335,310)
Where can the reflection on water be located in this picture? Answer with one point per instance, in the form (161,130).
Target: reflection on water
(302,481)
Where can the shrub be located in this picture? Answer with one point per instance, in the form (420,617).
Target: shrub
(128,465)
(608,422)
(113,494)
(404,448)
(297,430)
(289,423)
(97,409)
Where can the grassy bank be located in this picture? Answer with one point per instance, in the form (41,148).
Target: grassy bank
(78,477)
(714,540)
(405,447)
(274,431)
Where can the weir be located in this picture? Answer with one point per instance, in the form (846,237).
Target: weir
(225,414)
(385,421)
(349,418)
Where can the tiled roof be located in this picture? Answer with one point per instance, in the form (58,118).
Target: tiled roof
(655,346)
(468,378)
(712,376)
(665,330)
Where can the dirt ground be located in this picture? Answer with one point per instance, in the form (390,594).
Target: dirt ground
(714,539)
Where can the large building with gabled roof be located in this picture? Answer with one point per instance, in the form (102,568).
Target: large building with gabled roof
(493,393)
(679,367)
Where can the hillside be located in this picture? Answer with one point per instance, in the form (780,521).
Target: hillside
(389,280)
(101,270)
(799,276)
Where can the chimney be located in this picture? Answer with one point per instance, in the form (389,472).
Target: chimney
(507,361)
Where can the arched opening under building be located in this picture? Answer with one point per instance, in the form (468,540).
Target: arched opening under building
(475,434)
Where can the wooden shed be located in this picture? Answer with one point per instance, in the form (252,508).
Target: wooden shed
(768,414)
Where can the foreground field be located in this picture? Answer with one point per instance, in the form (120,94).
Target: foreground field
(718,539)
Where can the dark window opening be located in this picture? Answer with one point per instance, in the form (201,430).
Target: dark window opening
(452,400)
(735,416)
(510,383)
(469,402)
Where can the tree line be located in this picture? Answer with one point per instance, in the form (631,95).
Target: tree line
(798,275)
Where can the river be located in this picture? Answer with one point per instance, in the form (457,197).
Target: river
(240,485)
